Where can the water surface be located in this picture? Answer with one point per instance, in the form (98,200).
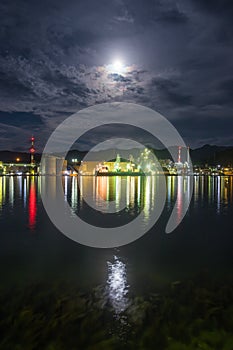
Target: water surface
(32,249)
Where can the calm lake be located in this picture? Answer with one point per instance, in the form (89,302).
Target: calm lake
(33,252)
(33,249)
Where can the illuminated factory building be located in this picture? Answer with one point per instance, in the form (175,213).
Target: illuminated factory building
(144,164)
(53,165)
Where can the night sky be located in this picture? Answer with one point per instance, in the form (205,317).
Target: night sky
(56,59)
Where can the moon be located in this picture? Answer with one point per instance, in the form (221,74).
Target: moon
(117,67)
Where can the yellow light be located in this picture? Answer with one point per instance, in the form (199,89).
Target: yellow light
(17,159)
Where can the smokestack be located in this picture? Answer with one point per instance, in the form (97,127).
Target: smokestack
(188,155)
(179,154)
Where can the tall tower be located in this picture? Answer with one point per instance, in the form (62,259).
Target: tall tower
(179,154)
(32,151)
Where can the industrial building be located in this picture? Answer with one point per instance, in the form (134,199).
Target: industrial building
(53,165)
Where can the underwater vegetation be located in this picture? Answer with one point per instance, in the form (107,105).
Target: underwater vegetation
(189,315)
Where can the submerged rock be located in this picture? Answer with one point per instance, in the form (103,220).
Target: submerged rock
(138,311)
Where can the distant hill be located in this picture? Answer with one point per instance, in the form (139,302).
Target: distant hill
(212,155)
(10,156)
(207,154)
(225,157)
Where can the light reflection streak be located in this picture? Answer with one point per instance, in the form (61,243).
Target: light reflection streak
(209,189)
(147,203)
(39,185)
(188,181)
(118,191)
(117,287)
(231,191)
(218,194)
(132,190)
(11,191)
(202,187)
(180,185)
(32,206)
(66,187)
(226,183)
(95,188)
(81,186)
(102,192)
(173,187)
(74,193)
(19,185)
(139,190)
(153,189)
(4,190)
(196,189)
(103,187)
(213,188)
(169,192)
(128,191)
(1,192)
(24,192)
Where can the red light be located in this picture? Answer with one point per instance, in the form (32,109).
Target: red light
(32,150)
(32,207)
(32,138)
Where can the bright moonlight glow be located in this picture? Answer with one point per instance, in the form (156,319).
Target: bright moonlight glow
(117,67)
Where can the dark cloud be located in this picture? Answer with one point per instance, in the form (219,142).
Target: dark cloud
(170,91)
(227,86)
(155,11)
(107,132)
(216,7)
(54,59)
(21,119)
(219,13)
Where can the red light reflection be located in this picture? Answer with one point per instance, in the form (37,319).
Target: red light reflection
(32,207)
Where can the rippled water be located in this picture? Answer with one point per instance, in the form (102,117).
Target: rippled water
(33,250)
(58,294)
